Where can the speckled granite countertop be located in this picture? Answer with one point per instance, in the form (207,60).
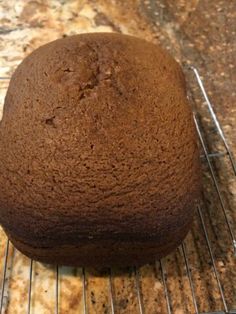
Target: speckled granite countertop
(197,32)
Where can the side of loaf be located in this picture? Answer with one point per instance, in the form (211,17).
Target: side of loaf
(99,163)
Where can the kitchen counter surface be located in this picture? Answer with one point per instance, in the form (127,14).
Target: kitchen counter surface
(201,33)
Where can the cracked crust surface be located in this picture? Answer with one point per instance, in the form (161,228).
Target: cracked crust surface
(98,152)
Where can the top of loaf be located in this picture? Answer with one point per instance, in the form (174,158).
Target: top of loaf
(96,124)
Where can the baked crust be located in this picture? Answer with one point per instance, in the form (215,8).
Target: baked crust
(98,152)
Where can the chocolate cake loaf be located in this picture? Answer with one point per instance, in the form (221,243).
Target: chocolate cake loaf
(98,154)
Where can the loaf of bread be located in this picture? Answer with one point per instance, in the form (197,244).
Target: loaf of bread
(99,162)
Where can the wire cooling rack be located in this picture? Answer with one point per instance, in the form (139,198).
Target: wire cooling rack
(193,294)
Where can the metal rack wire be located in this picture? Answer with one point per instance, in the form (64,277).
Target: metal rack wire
(160,265)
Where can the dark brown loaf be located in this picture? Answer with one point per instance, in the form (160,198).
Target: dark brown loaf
(98,155)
